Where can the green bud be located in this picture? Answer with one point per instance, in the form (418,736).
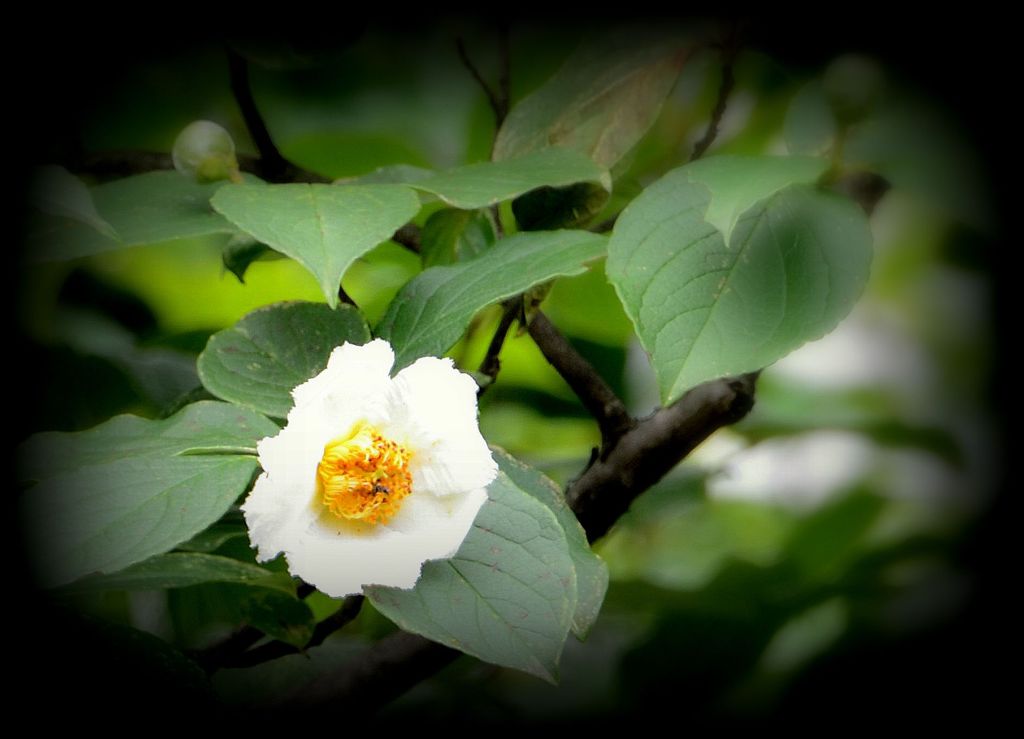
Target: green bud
(206,152)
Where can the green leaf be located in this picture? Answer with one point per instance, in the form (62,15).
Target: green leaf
(451,235)
(794,265)
(257,362)
(123,491)
(181,569)
(591,571)
(487,183)
(507,596)
(59,193)
(738,182)
(145,209)
(433,309)
(323,227)
(601,102)
(242,251)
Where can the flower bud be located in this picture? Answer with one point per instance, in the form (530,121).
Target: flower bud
(205,152)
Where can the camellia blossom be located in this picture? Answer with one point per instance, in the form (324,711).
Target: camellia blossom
(372,475)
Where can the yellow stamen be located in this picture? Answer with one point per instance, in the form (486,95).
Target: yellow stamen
(364,476)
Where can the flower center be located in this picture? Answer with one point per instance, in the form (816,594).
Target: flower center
(364,476)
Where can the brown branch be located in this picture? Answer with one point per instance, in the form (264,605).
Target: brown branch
(657,444)
(730,49)
(595,394)
(274,166)
(491,364)
(498,100)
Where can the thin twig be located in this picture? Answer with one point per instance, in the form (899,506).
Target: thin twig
(595,394)
(498,105)
(275,649)
(215,657)
(730,49)
(504,75)
(491,364)
(273,164)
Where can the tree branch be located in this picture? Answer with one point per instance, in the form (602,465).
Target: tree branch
(497,99)
(275,167)
(491,364)
(730,49)
(595,394)
(657,444)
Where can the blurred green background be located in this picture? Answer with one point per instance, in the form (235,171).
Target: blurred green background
(816,557)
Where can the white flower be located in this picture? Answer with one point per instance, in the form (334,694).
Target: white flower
(372,475)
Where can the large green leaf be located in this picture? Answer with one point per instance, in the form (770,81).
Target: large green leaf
(145,209)
(131,488)
(591,571)
(258,361)
(507,596)
(486,183)
(59,193)
(433,309)
(323,227)
(705,306)
(601,102)
(181,569)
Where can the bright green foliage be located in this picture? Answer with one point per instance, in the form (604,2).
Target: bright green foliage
(258,361)
(708,305)
(181,569)
(601,102)
(487,183)
(507,596)
(591,572)
(434,308)
(131,488)
(323,227)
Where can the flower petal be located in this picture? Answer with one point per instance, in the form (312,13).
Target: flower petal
(435,405)
(339,559)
